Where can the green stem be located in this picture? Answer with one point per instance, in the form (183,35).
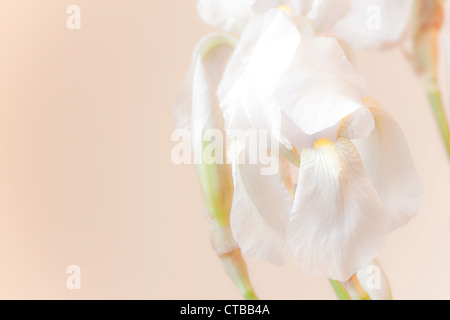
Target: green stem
(436,103)
(339,290)
(250,295)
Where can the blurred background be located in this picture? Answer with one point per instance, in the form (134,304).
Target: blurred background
(86,176)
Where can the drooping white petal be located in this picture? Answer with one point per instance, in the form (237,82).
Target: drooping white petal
(214,51)
(259,213)
(228,15)
(375,23)
(388,162)
(320,87)
(263,54)
(338,223)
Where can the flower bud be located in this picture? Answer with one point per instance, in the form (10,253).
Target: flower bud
(209,149)
(428,17)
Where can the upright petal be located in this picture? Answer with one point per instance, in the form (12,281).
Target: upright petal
(388,162)
(259,213)
(320,87)
(261,57)
(338,223)
(228,93)
(375,23)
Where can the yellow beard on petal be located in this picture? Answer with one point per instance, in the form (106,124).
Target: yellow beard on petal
(324,142)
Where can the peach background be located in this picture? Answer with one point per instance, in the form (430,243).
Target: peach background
(86,176)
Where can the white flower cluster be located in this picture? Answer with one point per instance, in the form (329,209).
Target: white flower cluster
(286,73)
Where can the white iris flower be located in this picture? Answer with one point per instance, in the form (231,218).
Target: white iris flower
(356,179)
